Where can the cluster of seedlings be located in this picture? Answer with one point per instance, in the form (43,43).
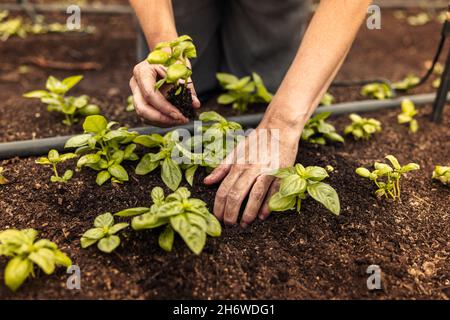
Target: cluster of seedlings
(105,146)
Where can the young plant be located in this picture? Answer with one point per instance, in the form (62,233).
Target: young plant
(362,128)
(386,177)
(318,131)
(174,56)
(3,180)
(378,90)
(406,84)
(327,99)
(407,115)
(442,173)
(103,149)
(25,253)
(242,92)
(103,233)
(53,159)
(130,104)
(298,182)
(56,100)
(176,213)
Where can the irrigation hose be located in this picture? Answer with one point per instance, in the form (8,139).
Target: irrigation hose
(39,147)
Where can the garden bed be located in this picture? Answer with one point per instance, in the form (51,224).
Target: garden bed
(312,255)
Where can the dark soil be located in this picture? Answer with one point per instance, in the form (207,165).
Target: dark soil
(182,101)
(312,255)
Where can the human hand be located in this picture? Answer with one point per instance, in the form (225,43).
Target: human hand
(150,104)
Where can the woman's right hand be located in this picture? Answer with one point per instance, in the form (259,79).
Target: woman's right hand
(150,104)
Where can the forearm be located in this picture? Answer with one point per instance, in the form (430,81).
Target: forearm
(156,20)
(322,51)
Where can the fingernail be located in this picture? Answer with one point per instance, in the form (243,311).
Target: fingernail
(174,115)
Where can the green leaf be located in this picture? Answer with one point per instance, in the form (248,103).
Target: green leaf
(363,172)
(146,165)
(86,242)
(214,229)
(78,141)
(108,244)
(291,185)
(104,220)
(284,172)
(226,78)
(279,203)
(193,235)
(176,72)
(210,116)
(166,238)
(117,227)
(95,124)
(171,174)
(315,173)
(43,161)
(170,209)
(119,172)
(88,159)
(148,221)
(149,141)
(94,233)
(44,258)
(70,82)
(67,175)
(158,57)
(157,195)
(326,195)
(53,156)
(226,98)
(16,272)
(410,167)
(36,94)
(102,177)
(394,161)
(189,174)
(132,212)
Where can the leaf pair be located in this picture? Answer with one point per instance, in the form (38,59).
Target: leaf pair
(242,92)
(407,115)
(406,84)
(71,107)
(297,182)
(52,159)
(442,174)
(103,149)
(25,252)
(318,131)
(378,90)
(362,128)
(103,233)
(387,177)
(176,213)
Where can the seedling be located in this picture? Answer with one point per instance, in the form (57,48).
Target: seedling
(327,99)
(103,233)
(362,128)
(130,104)
(318,131)
(442,173)
(53,159)
(178,212)
(242,92)
(377,90)
(3,180)
(71,107)
(103,149)
(298,182)
(174,56)
(386,177)
(407,115)
(25,253)
(408,83)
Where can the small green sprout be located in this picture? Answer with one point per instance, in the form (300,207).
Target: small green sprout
(176,213)
(298,182)
(407,115)
(53,159)
(71,107)
(104,149)
(25,253)
(318,131)
(362,128)
(406,84)
(419,19)
(386,177)
(130,104)
(377,90)
(242,92)
(442,173)
(103,233)
(327,99)
(3,180)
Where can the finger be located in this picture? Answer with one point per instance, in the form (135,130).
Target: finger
(237,194)
(218,174)
(145,77)
(256,199)
(195,101)
(264,211)
(222,192)
(147,112)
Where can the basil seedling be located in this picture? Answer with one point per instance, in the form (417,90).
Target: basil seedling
(53,159)
(298,182)
(362,128)
(442,174)
(103,233)
(3,180)
(103,149)
(378,90)
(406,84)
(327,99)
(176,213)
(386,177)
(71,107)
(25,252)
(242,92)
(130,104)
(174,56)
(407,115)
(318,131)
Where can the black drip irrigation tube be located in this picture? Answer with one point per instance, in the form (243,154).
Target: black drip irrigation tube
(39,147)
